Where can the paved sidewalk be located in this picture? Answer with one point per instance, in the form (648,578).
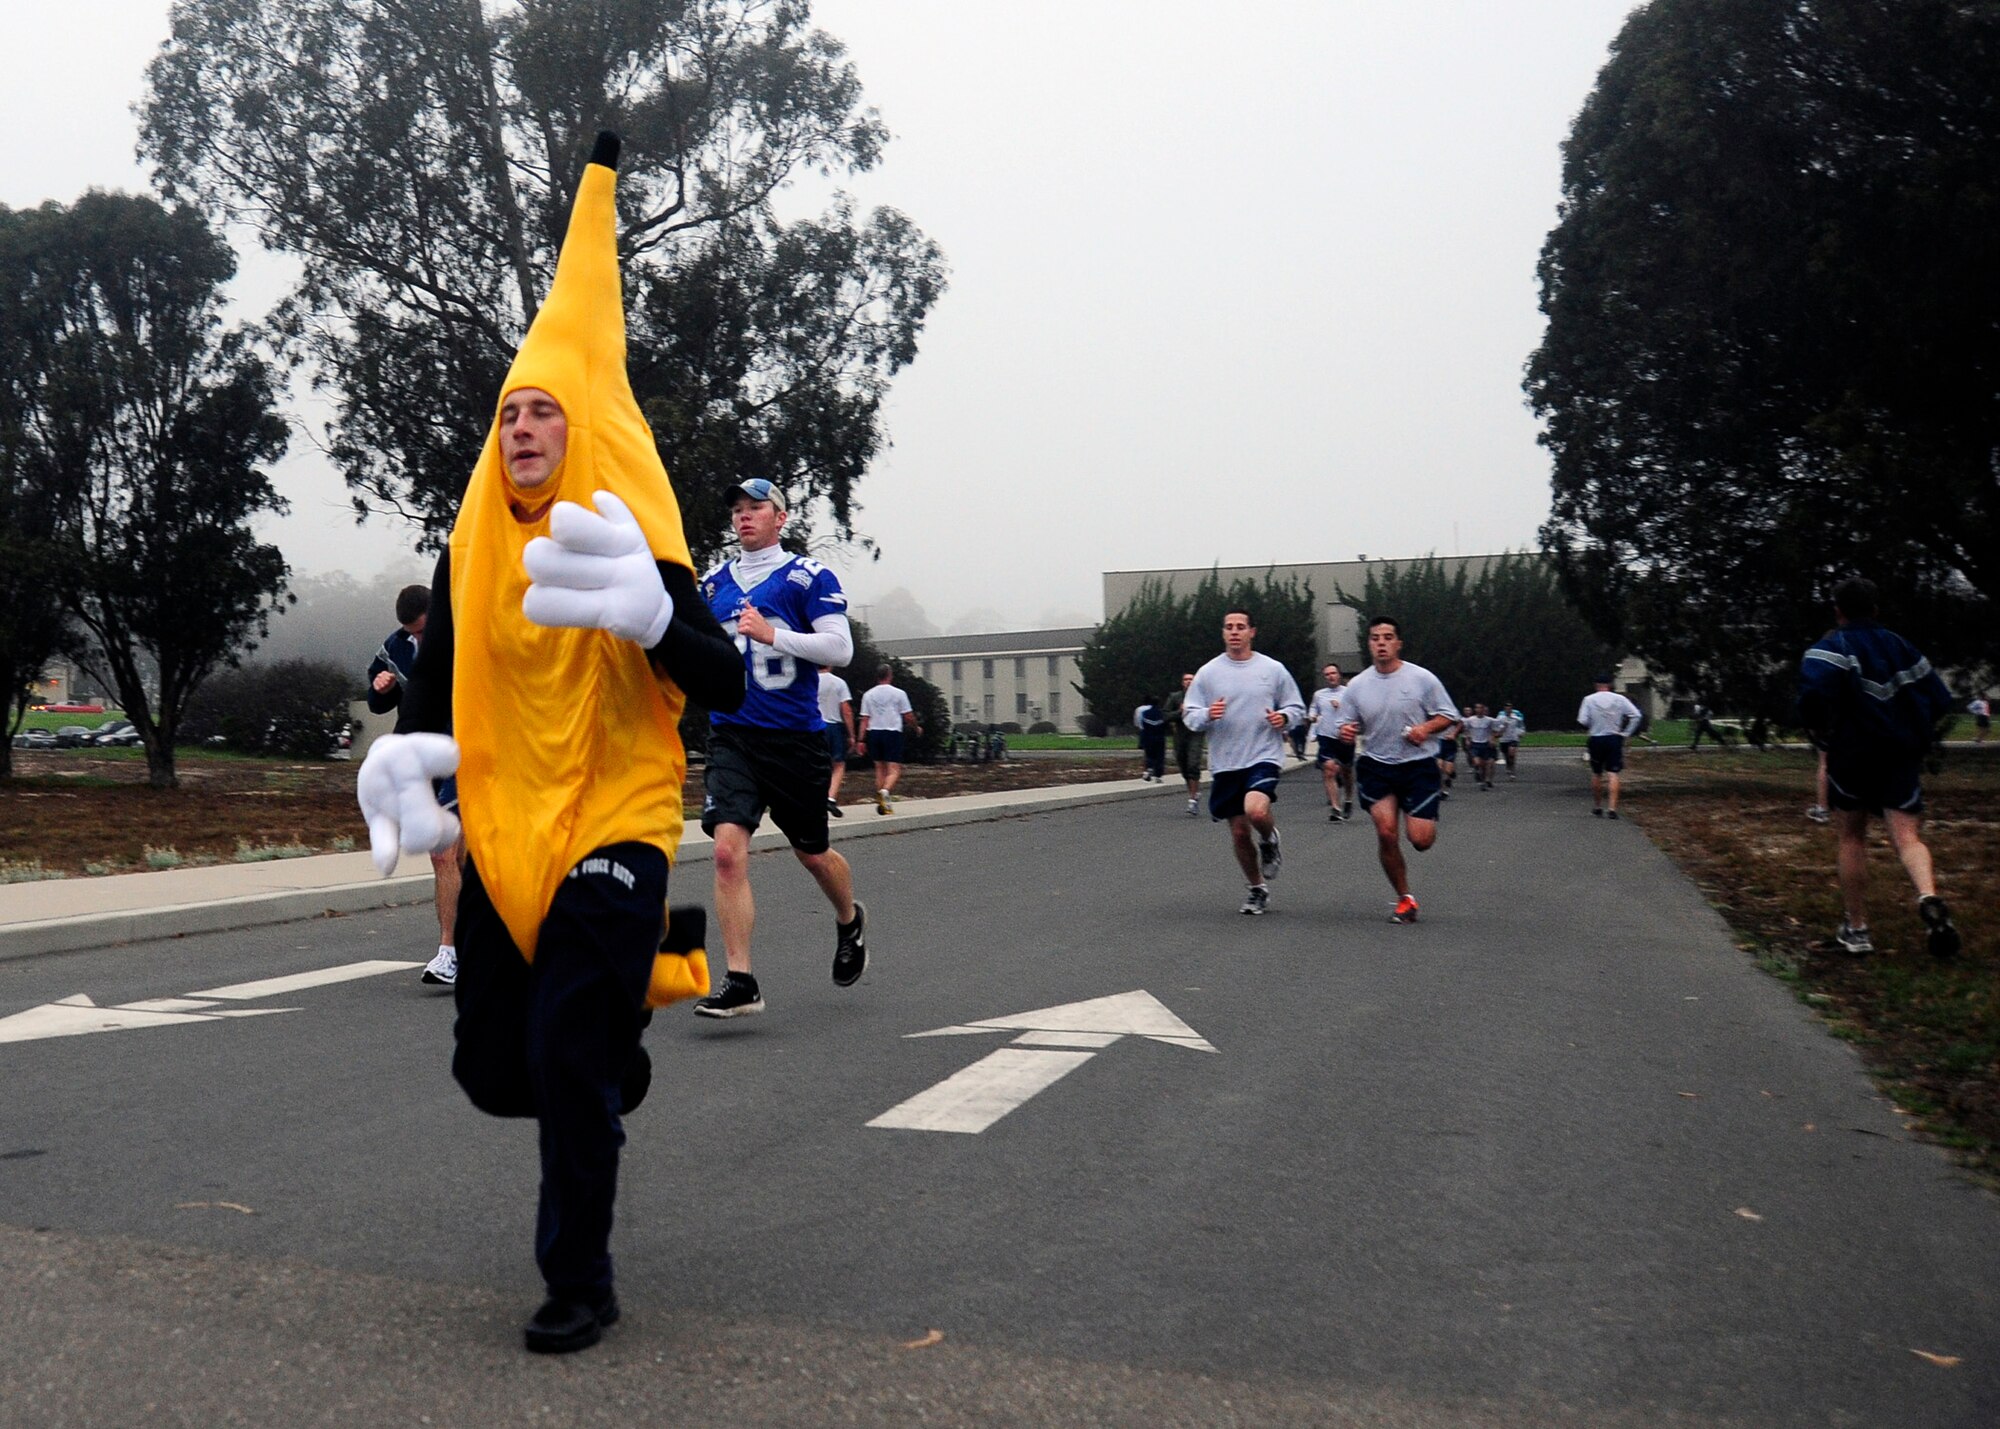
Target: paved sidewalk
(61,914)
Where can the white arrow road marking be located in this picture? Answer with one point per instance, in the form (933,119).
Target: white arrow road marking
(973,1099)
(76,1015)
(297,982)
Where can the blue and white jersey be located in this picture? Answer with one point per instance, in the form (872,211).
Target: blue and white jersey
(782,691)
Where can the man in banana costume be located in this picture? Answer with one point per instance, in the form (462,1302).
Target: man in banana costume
(565,634)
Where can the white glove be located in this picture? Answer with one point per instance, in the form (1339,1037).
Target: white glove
(596,573)
(394,788)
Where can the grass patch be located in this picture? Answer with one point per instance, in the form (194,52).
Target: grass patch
(168,857)
(1734,821)
(27,870)
(247,852)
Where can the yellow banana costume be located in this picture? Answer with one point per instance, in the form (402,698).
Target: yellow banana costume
(569,737)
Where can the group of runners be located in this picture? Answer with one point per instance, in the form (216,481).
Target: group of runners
(1379,740)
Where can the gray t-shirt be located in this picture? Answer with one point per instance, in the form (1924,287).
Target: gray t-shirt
(1479,728)
(1387,705)
(1326,716)
(1607,712)
(1253,687)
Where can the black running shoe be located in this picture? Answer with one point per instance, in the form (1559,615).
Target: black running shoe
(833,808)
(1270,858)
(563,1325)
(1940,933)
(850,951)
(737,997)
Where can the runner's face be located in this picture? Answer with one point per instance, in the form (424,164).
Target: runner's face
(534,436)
(1237,634)
(756,523)
(1186,680)
(1332,674)
(1385,646)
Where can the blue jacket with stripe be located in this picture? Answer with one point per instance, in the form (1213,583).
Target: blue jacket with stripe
(1865,689)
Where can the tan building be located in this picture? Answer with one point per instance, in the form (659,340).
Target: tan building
(1017,677)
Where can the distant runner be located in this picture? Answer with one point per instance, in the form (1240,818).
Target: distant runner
(1607,717)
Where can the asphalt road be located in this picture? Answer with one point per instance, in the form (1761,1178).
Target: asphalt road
(1556,1155)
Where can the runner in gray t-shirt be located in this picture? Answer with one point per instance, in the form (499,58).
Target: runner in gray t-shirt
(1335,756)
(1246,702)
(1396,710)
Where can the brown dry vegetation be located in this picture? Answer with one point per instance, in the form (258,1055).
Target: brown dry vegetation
(1930,1032)
(77,812)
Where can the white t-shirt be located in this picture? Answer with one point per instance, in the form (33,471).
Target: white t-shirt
(1253,688)
(883,708)
(833,693)
(1479,728)
(1387,705)
(1607,712)
(1326,716)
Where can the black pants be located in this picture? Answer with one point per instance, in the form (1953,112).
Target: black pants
(558,1040)
(1153,745)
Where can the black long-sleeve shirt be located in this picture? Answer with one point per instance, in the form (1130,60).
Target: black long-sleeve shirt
(695,653)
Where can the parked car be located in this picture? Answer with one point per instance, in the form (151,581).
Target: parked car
(73,736)
(34,739)
(115,734)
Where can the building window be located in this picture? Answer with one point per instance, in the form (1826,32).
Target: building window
(1054,668)
(958,706)
(989,705)
(1055,704)
(1020,667)
(956,673)
(988,672)
(1020,702)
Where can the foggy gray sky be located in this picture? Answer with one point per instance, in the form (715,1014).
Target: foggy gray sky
(1240,284)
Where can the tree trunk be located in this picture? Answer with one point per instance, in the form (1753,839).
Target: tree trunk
(160,765)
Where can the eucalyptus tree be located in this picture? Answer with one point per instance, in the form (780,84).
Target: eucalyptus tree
(146,424)
(417,158)
(1771,355)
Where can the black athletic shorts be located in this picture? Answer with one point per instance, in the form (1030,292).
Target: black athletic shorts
(1481,751)
(1415,783)
(1607,753)
(1341,751)
(885,746)
(1448,750)
(1227,787)
(836,744)
(1892,781)
(784,770)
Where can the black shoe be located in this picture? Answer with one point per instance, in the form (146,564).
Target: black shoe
(1610,813)
(1256,901)
(850,951)
(737,997)
(1595,812)
(833,808)
(1942,936)
(563,1326)
(1333,816)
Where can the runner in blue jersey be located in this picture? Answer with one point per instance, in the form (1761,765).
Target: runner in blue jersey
(789,617)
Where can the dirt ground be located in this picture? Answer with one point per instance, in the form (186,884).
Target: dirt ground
(1735,823)
(81,813)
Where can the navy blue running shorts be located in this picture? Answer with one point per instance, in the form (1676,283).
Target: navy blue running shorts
(1414,784)
(1340,751)
(1481,751)
(836,743)
(1448,750)
(885,746)
(1875,783)
(1607,753)
(1227,788)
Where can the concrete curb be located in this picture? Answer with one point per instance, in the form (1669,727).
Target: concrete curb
(170,905)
